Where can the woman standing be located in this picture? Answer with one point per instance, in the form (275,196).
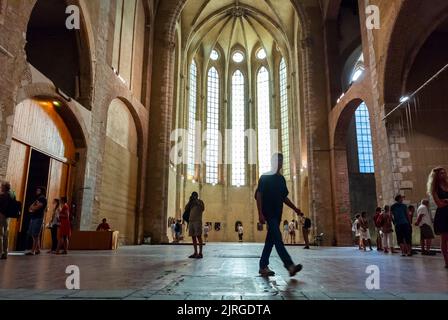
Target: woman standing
(438,189)
(54,225)
(386,227)
(64,228)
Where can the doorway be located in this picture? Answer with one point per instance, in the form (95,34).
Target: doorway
(38,172)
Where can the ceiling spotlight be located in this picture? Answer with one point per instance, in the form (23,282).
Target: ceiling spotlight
(404,99)
(57,103)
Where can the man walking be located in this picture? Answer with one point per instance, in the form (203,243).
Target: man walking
(271,193)
(6,196)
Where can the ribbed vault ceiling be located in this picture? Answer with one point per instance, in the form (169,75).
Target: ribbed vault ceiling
(226,24)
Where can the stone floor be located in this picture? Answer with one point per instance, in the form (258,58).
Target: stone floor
(228,271)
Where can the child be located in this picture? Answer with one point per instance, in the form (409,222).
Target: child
(364,231)
(355,229)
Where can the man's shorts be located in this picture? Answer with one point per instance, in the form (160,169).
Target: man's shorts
(35,227)
(195,229)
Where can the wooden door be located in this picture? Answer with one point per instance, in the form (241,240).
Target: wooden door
(17,175)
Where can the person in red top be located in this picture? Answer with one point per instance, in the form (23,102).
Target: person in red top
(65,227)
(379,232)
(103,226)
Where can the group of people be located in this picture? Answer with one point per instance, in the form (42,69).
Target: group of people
(289,230)
(399,218)
(60,227)
(59,224)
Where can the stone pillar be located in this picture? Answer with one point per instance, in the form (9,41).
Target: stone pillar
(160,123)
(316,122)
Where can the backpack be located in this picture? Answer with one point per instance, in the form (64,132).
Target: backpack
(14,208)
(307,223)
(186,215)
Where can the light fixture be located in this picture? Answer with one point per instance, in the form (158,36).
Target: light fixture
(340,98)
(45,103)
(404,99)
(194,181)
(57,103)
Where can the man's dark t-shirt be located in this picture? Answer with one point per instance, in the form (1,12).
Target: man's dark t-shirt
(400,213)
(273,191)
(39,214)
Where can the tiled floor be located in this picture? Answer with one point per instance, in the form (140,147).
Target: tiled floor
(228,271)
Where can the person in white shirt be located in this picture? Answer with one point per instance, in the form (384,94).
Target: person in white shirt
(240,233)
(356,230)
(424,221)
(292,231)
(206,231)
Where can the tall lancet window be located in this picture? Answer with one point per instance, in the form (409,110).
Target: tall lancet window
(364,139)
(264,124)
(284,118)
(192,106)
(238,127)
(212,148)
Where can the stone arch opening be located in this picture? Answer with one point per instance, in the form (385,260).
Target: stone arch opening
(62,55)
(344,47)
(417,141)
(353,176)
(45,151)
(163,94)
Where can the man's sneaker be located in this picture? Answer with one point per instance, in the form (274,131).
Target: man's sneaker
(266,272)
(306,247)
(294,269)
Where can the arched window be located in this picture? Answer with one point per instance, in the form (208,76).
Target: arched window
(212,136)
(192,103)
(364,139)
(284,118)
(238,127)
(264,124)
